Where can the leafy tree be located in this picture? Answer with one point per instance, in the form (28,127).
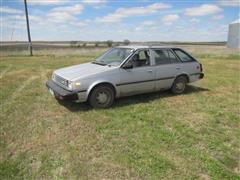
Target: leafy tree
(97,44)
(73,43)
(126,42)
(109,43)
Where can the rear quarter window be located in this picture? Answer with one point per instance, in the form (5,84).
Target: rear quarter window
(183,56)
(173,57)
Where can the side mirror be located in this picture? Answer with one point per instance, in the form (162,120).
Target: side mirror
(127,66)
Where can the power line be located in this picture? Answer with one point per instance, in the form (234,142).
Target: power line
(28,29)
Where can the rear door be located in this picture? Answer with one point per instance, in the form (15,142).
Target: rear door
(167,66)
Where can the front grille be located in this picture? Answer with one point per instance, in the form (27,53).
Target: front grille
(61,80)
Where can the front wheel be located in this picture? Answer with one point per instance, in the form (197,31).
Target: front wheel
(179,85)
(101,97)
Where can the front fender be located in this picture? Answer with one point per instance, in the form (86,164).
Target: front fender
(103,81)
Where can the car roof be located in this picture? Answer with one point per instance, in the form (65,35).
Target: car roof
(135,47)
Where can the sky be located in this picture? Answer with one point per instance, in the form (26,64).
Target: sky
(135,20)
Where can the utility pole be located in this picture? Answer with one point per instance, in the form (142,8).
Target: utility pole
(28,29)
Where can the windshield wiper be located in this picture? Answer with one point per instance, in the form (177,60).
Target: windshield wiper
(97,62)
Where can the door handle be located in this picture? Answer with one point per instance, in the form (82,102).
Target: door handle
(150,71)
(178,68)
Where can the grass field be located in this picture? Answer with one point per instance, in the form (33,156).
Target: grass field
(154,136)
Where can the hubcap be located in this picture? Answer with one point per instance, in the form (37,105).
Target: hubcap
(102,97)
(180,86)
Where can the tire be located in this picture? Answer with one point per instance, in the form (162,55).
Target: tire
(101,97)
(179,85)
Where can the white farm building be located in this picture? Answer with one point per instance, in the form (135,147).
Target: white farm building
(234,34)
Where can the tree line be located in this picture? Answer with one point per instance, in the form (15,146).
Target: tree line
(108,43)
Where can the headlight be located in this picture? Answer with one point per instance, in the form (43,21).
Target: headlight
(77,84)
(74,85)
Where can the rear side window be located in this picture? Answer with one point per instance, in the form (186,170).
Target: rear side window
(164,56)
(183,56)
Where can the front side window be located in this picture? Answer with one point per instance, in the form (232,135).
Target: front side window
(183,56)
(114,56)
(140,58)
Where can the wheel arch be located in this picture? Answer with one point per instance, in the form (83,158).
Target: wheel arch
(185,75)
(101,83)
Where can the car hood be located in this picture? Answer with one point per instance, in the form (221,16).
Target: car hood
(81,70)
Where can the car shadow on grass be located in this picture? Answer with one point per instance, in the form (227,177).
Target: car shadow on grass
(124,101)
(145,98)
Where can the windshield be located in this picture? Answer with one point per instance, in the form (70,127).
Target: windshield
(114,56)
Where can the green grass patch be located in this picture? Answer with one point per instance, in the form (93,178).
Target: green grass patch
(151,136)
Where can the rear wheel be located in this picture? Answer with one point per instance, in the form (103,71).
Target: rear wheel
(179,85)
(101,97)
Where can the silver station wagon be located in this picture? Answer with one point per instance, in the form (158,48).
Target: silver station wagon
(124,71)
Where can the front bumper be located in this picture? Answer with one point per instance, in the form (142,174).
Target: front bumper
(63,94)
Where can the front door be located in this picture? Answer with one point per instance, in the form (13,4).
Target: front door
(140,78)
